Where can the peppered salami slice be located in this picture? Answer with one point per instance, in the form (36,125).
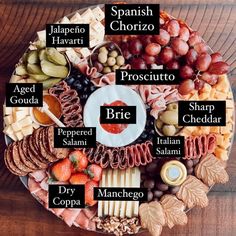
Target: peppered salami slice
(8,158)
(60,153)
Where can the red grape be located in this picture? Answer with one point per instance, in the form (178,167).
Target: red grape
(191,57)
(124,46)
(172,65)
(153,49)
(215,57)
(200,47)
(127,55)
(166,55)
(194,39)
(163,38)
(219,68)
(203,62)
(186,72)
(135,46)
(186,87)
(146,39)
(173,28)
(184,33)
(209,78)
(198,84)
(179,46)
(148,59)
(138,63)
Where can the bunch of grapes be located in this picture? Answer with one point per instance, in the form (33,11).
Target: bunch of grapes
(81,84)
(176,48)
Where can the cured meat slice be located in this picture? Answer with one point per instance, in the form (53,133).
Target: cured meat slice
(38,175)
(90,212)
(122,158)
(82,220)
(70,103)
(33,186)
(199,146)
(69,215)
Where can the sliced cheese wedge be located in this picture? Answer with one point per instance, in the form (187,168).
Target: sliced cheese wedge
(106,203)
(135,176)
(128,184)
(117,183)
(123,203)
(110,184)
(101,203)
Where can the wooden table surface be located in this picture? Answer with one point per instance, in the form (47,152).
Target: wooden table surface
(20,214)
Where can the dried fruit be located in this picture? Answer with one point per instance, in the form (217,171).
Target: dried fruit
(174,211)
(193,192)
(211,170)
(152,217)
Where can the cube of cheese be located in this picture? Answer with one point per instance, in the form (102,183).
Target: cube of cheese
(229,103)
(19,135)
(19,115)
(42,35)
(194,97)
(35,125)
(25,122)
(212,93)
(12,136)
(97,26)
(85,52)
(215,129)
(220,95)
(220,140)
(76,18)
(221,153)
(8,120)
(205,129)
(16,127)
(27,130)
(65,20)
(7,110)
(98,13)
(204,96)
(88,16)
(8,130)
(73,56)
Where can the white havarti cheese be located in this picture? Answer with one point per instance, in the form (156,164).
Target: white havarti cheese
(26,121)
(97,26)
(73,56)
(65,20)
(128,184)
(7,110)
(27,130)
(98,13)
(101,203)
(110,184)
(76,19)
(135,176)
(106,203)
(8,120)
(85,52)
(117,183)
(42,35)
(123,203)
(88,16)
(19,135)
(16,127)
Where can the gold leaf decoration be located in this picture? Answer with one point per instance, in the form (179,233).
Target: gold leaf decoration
(174,211)
(193,192)
(211,170)
(152,217)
